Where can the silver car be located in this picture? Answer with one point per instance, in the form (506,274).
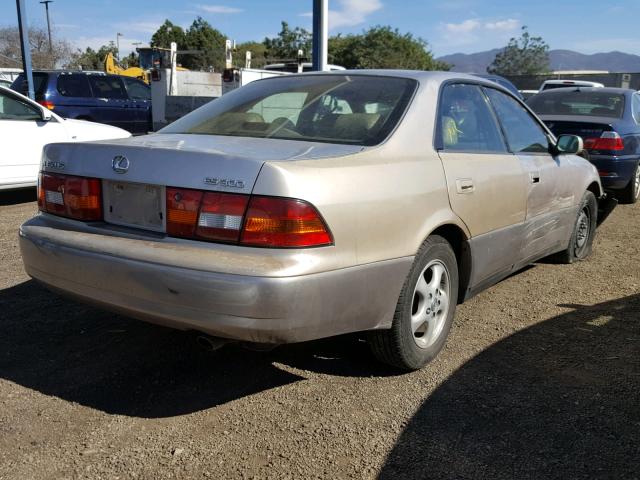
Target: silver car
(314,205)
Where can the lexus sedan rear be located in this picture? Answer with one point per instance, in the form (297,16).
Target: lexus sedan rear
(313,205)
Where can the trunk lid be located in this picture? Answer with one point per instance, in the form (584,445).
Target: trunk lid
(586,127)
(227,164)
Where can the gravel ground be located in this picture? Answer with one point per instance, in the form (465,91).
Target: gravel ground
(540,379)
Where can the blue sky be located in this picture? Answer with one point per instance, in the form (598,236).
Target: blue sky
(449,26)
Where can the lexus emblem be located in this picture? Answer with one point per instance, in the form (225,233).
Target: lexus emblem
(120,164)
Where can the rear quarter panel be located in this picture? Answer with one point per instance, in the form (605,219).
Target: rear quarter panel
(381,203)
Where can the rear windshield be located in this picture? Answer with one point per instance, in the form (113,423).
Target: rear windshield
(575,103)
(40,80)
(347,109)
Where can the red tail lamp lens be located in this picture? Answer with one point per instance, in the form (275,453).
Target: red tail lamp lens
(79,198)
(283,222)
(221,216)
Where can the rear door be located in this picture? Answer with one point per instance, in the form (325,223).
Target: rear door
(74,99)
(140,100)
(550,190)
(486,183)
(23,136)
(113,106)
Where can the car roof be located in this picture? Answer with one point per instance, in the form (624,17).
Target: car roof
(578,88)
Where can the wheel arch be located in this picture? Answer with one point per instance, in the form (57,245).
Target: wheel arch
(459,242)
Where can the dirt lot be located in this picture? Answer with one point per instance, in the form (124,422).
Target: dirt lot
(540,379)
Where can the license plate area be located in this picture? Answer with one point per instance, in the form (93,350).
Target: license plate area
(137,205)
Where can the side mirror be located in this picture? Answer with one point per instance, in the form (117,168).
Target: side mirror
(45,114)
(570,144)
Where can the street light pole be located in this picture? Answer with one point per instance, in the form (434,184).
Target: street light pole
(23,26)
(46,6)
(320,34)
(118,35)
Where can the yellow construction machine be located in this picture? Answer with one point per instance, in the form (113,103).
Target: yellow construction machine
(149,58)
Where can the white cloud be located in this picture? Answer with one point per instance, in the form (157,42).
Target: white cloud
(476,30)
(219,9)
(509,25)
(465,27)
(350,12)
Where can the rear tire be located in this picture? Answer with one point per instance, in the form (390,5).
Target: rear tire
(584,231)
(631,192)
(425,309)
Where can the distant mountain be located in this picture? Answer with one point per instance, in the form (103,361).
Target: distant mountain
(560,60)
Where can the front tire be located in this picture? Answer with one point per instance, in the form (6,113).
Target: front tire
(584,231)
(425,309)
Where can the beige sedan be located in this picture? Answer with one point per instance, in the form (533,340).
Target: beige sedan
(307,206)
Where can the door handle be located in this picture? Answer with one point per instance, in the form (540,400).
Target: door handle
(535,177)
(464,185)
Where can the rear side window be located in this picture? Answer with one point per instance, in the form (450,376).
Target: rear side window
(137,90)
(107,87)
(466,122)
(635,107)
(524,134)
(74,85)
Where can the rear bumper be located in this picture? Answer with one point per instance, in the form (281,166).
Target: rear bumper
(242,307)
(619,170)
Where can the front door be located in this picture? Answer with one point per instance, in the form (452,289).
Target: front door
(486,183)
(23,136)
(550,197)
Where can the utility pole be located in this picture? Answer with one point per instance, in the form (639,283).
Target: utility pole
(118,35)
(46,6)
(320,34)
(23,26)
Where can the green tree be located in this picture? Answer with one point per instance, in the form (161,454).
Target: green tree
(202,36)
(167,33)
(526,55)
(286,45)
(383,47)
(91,59)
(258,54)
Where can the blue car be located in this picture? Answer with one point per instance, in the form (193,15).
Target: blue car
(116,100)
(608,120)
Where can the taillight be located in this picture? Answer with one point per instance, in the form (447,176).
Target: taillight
(606,141)
(283,222)
(205,215)
(248,220)
(47,104)
(79,198)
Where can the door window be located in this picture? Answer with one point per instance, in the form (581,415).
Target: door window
(466,122)
(104,86)
(14,109)
(524,134)
(635,107)
(74,85)
(137,90)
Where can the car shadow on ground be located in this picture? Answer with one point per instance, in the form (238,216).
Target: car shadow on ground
(117,365)
(13,197)
(558,400)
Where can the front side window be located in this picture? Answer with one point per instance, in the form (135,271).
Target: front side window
(466,122)
(347,109)
(14,109)
(137,90)
(104,86)
(524,134)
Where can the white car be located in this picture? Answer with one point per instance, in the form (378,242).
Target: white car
(551,84)
(26,127)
